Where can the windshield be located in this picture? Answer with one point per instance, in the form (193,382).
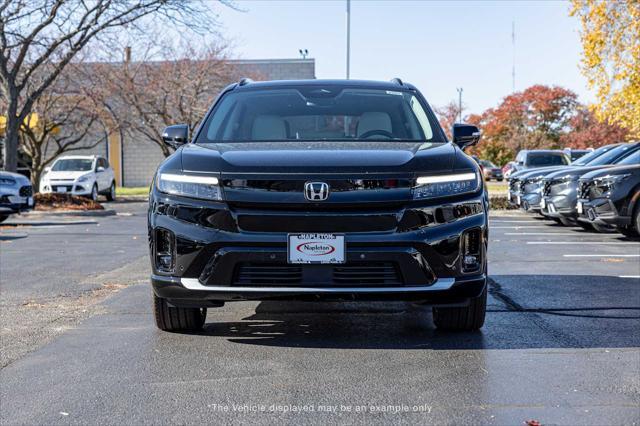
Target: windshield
(546,159)
(73,165)
(611,155)
(592,155)
(630,160)
(320,113)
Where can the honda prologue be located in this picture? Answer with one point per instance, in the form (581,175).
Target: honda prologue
(319,190)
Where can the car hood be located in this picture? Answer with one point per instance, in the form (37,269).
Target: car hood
(319,157)
(541,171)
(65,175)
(576,171)
(611,170)
(20,179)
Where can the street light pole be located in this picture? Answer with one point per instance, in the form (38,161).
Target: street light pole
(348,36)
(459,89)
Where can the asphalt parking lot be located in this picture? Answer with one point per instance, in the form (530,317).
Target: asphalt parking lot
(560,344)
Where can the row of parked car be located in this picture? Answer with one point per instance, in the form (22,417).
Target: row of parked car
(599,191)
(81,175)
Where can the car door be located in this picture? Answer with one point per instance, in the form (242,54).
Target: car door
(101,176)
(108,173)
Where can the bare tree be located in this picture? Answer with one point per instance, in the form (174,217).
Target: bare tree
(67,117)
(39,38)
(147,96)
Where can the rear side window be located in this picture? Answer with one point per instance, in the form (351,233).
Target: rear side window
(546,159)
(319,113)
(613,155)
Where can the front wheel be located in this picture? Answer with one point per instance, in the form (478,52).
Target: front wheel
(633,229)
(467,318)
(94,193)
(111,195)
(170,318)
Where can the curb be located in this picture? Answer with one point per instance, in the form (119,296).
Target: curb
(94,213)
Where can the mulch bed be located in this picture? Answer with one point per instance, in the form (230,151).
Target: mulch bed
(53,202)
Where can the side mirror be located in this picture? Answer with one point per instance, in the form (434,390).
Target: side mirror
(175,136)
(47,169)
(99,169)
(465,135)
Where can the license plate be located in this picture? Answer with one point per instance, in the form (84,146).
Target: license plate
(30,201)
(61,189)
(315,248)
(579,207)
(508,196)
(518,200)
(543,203)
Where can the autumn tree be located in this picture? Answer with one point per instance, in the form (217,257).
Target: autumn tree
(611,59)
(587,131)
(535,118)
(448,115)
(39,38)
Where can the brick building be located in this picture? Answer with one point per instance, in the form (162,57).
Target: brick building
(135,161)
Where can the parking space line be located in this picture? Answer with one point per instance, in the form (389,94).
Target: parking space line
(515,221)
(601,255)
(539,233)
(628,276)
(611,243)
(522,227)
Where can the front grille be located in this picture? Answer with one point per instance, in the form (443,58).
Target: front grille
(546,188)
(260,275)
(310,223)
(26,191)
(383,273)
(369,274)
(514,185)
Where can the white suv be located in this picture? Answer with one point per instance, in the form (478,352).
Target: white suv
(86,175)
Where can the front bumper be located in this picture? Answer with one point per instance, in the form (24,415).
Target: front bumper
(531,202)
(209,262)
(10,204)
(71,188)
(601,211)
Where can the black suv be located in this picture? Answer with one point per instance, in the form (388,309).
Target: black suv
(319,190)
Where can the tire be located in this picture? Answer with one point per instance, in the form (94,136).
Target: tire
(632,230)
(500,180)
(586,226)
(467,318)
(602,229)
(111,195)
(3,217)
(177,319)
(566,222)
(94,193)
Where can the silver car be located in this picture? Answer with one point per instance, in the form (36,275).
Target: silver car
(16,194)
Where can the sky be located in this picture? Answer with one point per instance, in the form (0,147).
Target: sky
(437,46)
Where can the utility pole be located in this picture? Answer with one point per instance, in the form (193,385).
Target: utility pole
(513,67)
(348,36)
(459,89)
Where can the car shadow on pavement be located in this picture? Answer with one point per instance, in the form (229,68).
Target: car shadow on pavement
(524,312)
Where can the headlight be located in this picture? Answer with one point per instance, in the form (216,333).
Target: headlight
(84,178)
(445,185)
(606,183)
(205,187)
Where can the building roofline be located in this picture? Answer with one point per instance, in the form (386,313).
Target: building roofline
(273,61)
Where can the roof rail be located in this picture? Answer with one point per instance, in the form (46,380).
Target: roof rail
(244,81)
(397,81)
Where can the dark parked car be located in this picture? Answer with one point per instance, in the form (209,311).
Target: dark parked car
(319,190)
(611,197)
(491,171)
(560,188)
(532,159)
(525,187)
